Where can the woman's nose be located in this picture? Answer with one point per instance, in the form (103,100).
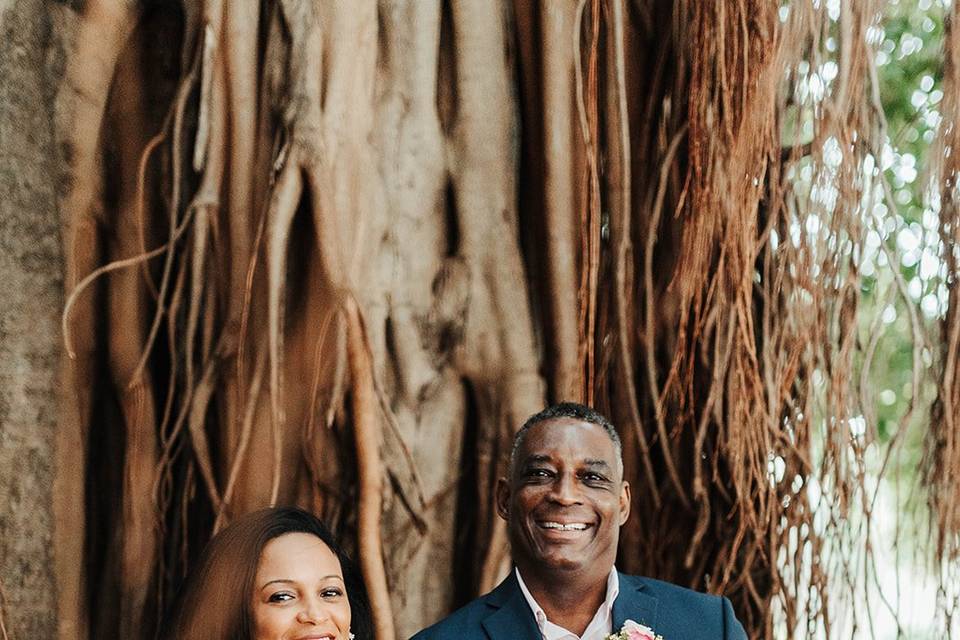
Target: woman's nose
(311,611)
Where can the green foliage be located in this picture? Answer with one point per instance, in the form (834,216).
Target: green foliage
(909,65)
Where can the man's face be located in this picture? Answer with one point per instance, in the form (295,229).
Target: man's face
(566,499)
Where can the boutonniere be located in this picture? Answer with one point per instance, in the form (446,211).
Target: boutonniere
(634,631)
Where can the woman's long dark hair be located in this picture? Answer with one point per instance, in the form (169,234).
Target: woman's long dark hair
(214,604)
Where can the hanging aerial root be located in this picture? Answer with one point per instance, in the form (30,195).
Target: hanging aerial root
(560,152)
(253,395)
(205,205)
(283,207)
(161,485)
(589,213)
(366,421)
(177,112)
(196,421)
(241,27)
(105,269)
(496,557)
(210,59)
(941,460)
(103,28)
(140,214)
(247,299)
(620,224)
(656,395)
(498,305)
(322,336)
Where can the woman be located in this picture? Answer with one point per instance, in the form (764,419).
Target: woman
(275,574)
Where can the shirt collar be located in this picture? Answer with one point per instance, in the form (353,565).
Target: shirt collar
(602,618)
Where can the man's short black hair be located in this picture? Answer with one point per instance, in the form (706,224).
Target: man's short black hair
(568,410)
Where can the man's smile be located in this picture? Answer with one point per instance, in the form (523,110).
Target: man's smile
(552,530)
(557,532)
(560,526)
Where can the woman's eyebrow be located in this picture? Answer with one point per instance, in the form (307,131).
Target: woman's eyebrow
(289,581)
(278,580)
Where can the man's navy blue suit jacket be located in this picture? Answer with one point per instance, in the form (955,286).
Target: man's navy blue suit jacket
(671,611)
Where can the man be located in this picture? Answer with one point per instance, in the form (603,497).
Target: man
(564,502)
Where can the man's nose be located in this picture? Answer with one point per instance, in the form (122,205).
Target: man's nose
(564,490)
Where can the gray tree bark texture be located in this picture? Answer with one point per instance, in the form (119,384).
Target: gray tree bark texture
(31,290)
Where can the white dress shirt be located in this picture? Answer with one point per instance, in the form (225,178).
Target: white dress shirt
(599,628)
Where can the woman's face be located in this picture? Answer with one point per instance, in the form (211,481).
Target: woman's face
(298,592)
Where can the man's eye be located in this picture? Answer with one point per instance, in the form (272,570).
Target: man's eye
(280,596)
(593,477)
(538,473)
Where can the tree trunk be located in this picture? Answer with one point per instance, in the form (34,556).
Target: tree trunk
(31,261)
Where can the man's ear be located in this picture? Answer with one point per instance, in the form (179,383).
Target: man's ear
(503,498)
(624,502)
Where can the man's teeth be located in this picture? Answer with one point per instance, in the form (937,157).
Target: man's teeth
(574,526)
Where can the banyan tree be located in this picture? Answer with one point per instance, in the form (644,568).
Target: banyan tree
(333,254)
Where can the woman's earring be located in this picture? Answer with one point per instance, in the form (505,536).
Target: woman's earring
(351,635)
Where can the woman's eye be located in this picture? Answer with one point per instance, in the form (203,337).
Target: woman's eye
(332,592)
(280,596)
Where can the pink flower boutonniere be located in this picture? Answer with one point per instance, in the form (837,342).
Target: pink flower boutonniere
(634,631)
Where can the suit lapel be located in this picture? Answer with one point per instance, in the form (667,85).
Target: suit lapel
(512,617)
(633,604)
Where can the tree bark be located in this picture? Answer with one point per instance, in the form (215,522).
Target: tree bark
(31,261)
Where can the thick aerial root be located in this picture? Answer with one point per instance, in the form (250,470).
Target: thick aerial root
(561,147)
(103,28)
(139,522)
(503,368)
(366,424)
(589,201)
(283,206)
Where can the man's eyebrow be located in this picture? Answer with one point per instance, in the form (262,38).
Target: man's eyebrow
(535,458)
(596,463)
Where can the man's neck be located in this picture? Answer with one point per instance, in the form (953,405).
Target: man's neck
(569,600)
